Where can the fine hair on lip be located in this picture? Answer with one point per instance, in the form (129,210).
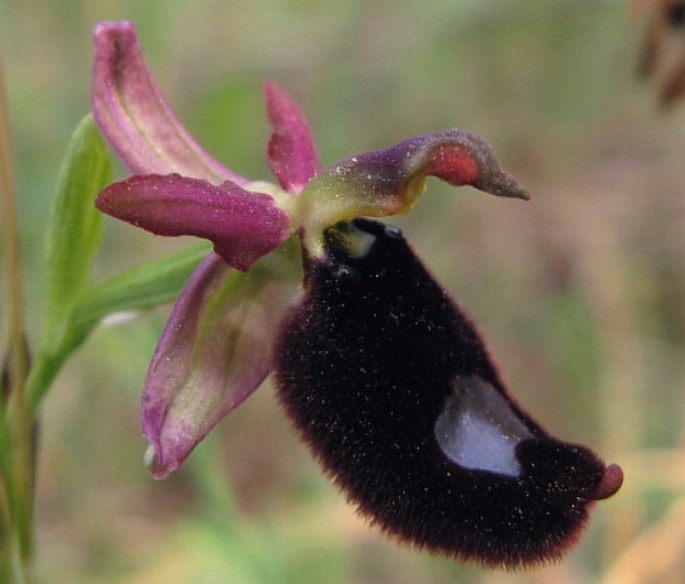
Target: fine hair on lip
(393,390)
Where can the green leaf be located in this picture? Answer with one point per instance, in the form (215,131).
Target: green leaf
(74,234)
(140,288)
(74,230)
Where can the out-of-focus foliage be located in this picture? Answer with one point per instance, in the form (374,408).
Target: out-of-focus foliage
(581,291)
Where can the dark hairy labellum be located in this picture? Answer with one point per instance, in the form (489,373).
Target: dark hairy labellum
(393,390)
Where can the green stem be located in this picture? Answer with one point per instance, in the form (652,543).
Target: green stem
(216,491)
(49,362)
(43,373)
(6,543)
(18,485)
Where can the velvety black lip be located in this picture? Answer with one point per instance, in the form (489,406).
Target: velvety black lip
(365,364)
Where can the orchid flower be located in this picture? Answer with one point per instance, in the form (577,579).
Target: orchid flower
(368,409)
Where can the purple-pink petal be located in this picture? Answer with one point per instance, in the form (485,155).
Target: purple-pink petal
(134,116)
(291,153)
(387,182)
(456,156)
(214,352)
(242,225)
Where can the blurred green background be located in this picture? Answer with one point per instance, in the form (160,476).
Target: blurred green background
(580,292)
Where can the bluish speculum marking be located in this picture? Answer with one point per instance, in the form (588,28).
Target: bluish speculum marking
(478,430)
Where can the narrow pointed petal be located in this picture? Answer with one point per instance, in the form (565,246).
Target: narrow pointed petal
(387,182)
(214,352)
(134,116)
(292,153)
(242,225)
